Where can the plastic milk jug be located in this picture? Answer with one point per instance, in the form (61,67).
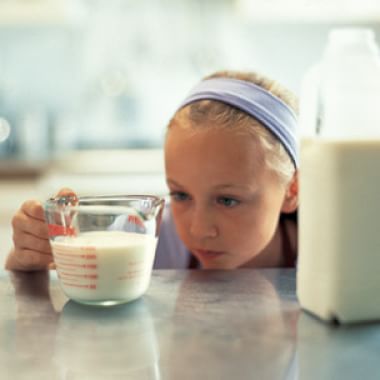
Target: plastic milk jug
(338,277)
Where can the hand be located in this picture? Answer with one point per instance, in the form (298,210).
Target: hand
(32,250)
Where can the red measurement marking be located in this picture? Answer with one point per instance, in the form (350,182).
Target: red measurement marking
(129,275)
(63,254)
(93,276)
(88,266)
(69,251)
(87,248)
(72,270)
(64,250)
(89,257)
(86,286)
(75,256)
(70,267)
(61,257)
(68,263)
(57,230)
(63,278)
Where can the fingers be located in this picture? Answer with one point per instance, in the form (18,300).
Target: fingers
(30,237)
(28,260)
(29,220)
(33,260)
(33,209)
(32,250)
(24,240)
(65,191)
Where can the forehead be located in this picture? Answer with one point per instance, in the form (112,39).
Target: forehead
(218,154)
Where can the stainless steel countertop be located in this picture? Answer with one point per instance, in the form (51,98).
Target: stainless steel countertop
(242,324)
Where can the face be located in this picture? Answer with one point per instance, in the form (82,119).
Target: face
(225,203)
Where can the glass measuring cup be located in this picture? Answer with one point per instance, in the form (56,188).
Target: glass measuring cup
(104,246)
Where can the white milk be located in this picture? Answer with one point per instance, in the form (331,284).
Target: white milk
(104,266)
(339,229)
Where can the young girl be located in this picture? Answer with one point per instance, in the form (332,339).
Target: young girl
(231,166)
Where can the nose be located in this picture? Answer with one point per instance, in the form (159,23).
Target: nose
(203,224)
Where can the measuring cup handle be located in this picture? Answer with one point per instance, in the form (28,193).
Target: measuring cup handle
(57,230)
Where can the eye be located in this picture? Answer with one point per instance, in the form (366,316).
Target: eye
(228,201)
(179,196)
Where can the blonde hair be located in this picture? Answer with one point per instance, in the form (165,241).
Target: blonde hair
(198,113)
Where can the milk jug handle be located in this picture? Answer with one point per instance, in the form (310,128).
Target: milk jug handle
(310,103)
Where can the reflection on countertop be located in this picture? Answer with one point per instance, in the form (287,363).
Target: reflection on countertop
(195,324)
(190,324)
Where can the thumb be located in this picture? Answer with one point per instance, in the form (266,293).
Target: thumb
(69,194)
(66,191)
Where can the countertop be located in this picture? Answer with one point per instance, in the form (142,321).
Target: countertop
(241,324)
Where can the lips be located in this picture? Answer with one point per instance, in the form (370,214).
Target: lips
(207,254)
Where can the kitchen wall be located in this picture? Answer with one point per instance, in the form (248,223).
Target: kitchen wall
(109,74)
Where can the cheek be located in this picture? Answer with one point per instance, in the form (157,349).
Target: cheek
(180,221)
(245,233)
(254,230)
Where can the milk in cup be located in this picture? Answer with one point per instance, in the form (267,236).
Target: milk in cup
(104,265)
(339,232)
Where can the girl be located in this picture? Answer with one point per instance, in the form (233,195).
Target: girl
(231,166)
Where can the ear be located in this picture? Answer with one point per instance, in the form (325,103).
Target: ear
(290,203)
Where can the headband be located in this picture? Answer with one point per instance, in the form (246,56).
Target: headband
(257,102)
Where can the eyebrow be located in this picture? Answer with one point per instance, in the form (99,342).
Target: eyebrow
(219,187)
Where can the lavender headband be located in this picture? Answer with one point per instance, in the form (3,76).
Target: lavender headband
(268,109)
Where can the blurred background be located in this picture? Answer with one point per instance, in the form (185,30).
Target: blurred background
(88,86)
